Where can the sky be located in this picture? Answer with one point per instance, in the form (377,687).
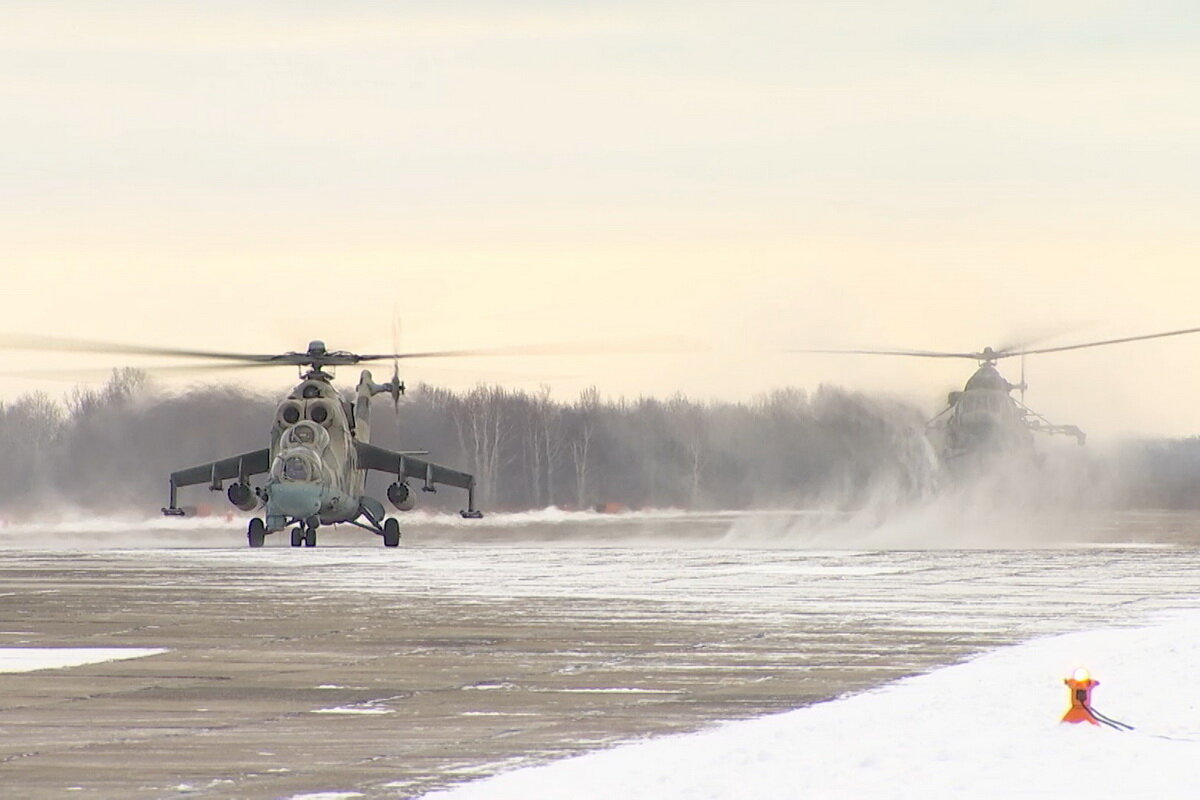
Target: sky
(985,729)
(758,176)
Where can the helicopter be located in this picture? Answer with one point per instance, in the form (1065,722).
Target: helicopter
(318,458)
(984,419)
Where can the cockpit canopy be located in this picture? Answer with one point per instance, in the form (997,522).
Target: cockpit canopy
(988,377)
(311,435)
(305,434)
(297,465)
(984,403)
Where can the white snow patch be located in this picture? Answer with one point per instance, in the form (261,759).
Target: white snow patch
(987,729)
(30,659)
(360,710)
(614,690)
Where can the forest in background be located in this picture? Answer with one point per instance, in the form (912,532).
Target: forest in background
(111,449)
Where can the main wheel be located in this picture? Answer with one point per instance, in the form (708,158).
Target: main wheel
(310,538)
(391,532)
(257,532)
(297,536)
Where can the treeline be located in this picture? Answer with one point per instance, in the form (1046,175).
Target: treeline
(787,448)
(112,448)
(1161,474)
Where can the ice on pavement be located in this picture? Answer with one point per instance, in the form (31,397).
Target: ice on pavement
(987,728)
(29,659)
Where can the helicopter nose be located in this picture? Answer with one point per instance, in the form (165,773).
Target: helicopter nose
(294,500)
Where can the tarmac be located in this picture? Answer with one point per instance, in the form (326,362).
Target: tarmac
(380,673)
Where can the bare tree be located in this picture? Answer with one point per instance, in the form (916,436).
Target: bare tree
(586,414)
(692,428)
(483,430)
(549,426)
(29,429)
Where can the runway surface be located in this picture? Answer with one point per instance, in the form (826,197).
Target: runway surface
(386,673)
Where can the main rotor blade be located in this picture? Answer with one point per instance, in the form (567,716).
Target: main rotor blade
(343,358)
(1098,344)
(92,374)
(1031,338)
(914,353)
(68,345)
(669,344)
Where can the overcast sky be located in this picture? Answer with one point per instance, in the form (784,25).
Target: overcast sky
(936,175)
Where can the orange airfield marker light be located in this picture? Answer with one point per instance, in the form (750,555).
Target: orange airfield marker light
(1081,684)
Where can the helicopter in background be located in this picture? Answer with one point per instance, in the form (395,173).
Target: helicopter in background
(984,420)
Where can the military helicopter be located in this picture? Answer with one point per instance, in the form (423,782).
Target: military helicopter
(984,419)
(319,455)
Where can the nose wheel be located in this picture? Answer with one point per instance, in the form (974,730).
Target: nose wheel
(304,536)
(391,532)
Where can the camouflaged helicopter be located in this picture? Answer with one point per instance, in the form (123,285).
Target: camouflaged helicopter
(319,455)
(984,419)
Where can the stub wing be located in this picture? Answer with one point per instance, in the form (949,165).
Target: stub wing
(239,467)
(243,466)
(405,466)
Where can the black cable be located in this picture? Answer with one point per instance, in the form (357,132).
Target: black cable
(1099,721)
(1105,718)
(1112,723)
(1118,723)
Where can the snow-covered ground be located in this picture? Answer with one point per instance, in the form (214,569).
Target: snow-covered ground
(764,594)
(936,525)
(29,659)
(984,729)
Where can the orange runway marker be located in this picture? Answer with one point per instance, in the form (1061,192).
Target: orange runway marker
(1081,685)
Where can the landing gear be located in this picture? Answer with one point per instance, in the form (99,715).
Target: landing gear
(391,532)
(304,536)
(257,532)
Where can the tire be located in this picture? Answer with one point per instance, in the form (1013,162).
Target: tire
(256,533)
(310,538)
(297,536)
(391,532)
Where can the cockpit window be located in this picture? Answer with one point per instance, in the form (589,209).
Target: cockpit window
(298,466)
(306,434)
(984,403)
(295,468)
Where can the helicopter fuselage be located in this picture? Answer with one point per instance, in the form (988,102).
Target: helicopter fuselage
(314,469)
(984,418)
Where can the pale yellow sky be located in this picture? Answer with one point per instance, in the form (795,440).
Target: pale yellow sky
(760,175)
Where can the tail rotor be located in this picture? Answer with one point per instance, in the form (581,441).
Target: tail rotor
(1023,387)
(396,387)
